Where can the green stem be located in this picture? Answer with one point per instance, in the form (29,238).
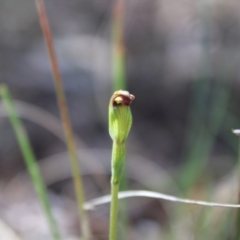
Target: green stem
(237,222)
(114,211)
(118,156)
(30,160)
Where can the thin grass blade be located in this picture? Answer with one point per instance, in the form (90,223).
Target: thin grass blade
(149,194)
(30,160)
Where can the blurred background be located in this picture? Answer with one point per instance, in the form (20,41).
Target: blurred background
(183,66)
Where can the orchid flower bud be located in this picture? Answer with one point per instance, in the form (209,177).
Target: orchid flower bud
(120,116)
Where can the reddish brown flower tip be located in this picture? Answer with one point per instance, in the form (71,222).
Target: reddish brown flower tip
(122,98)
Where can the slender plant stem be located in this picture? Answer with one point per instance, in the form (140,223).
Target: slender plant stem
(237,221)
(118,156)
(65,120)
(30,160)
(114,211)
